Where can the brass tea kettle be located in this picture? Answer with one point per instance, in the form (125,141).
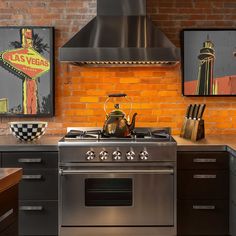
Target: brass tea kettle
(116,124)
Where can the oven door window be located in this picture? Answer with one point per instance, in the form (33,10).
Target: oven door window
(108,192)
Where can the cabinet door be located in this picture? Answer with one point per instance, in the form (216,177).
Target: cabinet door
(203,184)
(30,160)
(39,184)
(12,230)
(8,207)
(203,160)
(232,218)
(38,218)
(202,217)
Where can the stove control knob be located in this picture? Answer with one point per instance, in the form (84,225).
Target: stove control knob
(90,155)
(103,155)
(130,155)
(116,155)
(143,155)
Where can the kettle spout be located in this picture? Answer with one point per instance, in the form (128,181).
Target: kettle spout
(132,125)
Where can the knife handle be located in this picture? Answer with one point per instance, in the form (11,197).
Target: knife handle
(201,111)
(195,113)
(188,110)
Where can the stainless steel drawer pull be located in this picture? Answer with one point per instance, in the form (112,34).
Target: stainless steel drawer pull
(5,215)
(159,171)
(30,160)
(204,160)
(204,207)
(31,208)
(32,177)
(204,176)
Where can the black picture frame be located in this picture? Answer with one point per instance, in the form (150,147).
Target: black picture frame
(27,71)
(208,62)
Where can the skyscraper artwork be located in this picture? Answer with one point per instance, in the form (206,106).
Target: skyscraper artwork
(208,62)
(205,83)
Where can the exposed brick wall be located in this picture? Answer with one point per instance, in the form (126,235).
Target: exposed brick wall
(173,15)
(156,92)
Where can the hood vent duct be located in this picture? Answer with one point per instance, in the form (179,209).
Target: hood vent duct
(120,35)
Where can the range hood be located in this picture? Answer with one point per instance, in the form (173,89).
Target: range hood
(120,34)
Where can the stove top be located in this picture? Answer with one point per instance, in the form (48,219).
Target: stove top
(89,144)
(138,135)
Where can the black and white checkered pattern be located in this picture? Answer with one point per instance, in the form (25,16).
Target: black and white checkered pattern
(28,132)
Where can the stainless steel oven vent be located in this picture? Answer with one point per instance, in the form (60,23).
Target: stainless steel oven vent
(120,34)
(123,63)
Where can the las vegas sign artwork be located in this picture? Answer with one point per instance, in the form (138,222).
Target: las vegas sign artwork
(26,71)
(25,62)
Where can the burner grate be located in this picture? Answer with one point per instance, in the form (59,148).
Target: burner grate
(144,134)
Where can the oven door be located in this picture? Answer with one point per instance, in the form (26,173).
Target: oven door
(117,197)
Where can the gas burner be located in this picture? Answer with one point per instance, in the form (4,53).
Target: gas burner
(79,134)
(160,133)
(152,133)
(74,134)
(139,135)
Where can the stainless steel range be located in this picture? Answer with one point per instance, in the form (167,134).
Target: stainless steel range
(117,186)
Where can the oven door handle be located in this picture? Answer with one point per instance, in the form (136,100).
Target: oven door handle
(142,171)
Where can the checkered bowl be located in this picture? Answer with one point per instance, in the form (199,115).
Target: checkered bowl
(28,130)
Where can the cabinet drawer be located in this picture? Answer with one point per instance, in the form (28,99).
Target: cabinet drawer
(39,185)
(202,217)
(233,187)
(8,207)
(38,218)
(30,160)
(203,160)
(11,230)
(233,164)
(203,184)
(232,218)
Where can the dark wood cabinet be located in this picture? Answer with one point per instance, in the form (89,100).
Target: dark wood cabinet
(203,217)
(39,184)
(203,193)
(9,211)
(40,216)
(30,160)
(203,160)
(38,191)
(203,184)
(232,215)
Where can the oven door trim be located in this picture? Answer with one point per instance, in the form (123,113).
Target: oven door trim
(120,171)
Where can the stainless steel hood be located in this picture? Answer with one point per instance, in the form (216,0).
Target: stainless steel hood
(120,34)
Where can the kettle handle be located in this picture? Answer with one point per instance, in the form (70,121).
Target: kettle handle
(116,95)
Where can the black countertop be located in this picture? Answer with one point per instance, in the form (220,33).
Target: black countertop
(45,143)
(50,143)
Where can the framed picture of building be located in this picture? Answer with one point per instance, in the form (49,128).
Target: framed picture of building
(26,71)
(208,58)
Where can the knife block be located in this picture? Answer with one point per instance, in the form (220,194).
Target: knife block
(198,131)
(193,130)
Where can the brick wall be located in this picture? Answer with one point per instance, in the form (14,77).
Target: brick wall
(156,92)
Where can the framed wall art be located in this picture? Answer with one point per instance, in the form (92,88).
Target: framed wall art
(208,59)
(26,71)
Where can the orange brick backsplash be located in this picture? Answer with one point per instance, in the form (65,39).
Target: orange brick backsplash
(155,93)
(80,92)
